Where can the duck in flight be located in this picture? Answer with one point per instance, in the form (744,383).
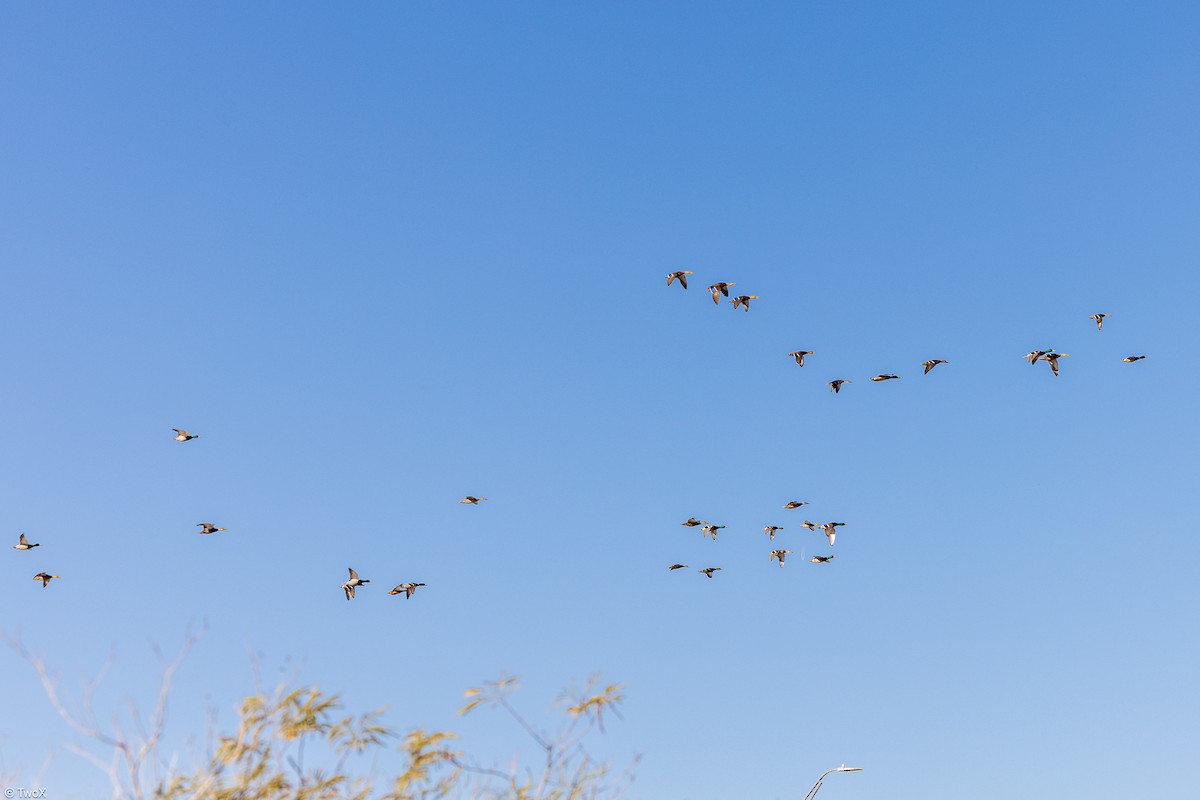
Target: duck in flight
(836,386)
(45,578)
(183,436)
(208,527)
(472,500)
(884,377)
(799,356)
(407,589)
(680,275)
(931,363)
(674,567)
(822,559)
(830,529)
(349,586)
(693,522)
(812,526)
(1131,359)
(744,300)
(770,531)
(708,571)
(711,530)
(780,554)
(1052,358)
(23,544)
(718,289)
(1099,320)
(796,503)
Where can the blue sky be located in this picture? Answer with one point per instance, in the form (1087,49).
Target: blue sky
(386,257)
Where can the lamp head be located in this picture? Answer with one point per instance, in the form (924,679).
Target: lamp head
(844,768)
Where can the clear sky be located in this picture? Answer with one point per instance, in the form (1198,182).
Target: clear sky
(384,256)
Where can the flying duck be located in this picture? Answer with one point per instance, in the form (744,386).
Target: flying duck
(1099,320)
(710,570)
(836,386)
(23,544)
(348,586)
(822,559)
(744,300)
(796,503)
(830,529)
(931,363)
(45,578)
(1131,359)
(1034,355)
(183,436)
(693,522)
(812,526)
(718,289)
(472,500)
(1053,357)
(780,554)
(681,275)
(408,589)
(208,527)
(770,531)
(674,567)
(799,356)
(884,377)
(711,530)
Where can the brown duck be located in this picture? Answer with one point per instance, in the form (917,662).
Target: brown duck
(1052,358)
(680,275)
(718,289)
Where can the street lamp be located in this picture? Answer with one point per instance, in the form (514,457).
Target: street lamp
(817,786)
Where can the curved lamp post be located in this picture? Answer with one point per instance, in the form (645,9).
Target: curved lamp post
(817,786)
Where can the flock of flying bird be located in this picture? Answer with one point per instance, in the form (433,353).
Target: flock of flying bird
(406,589)
(717,290)
(708,529)
(721,289)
